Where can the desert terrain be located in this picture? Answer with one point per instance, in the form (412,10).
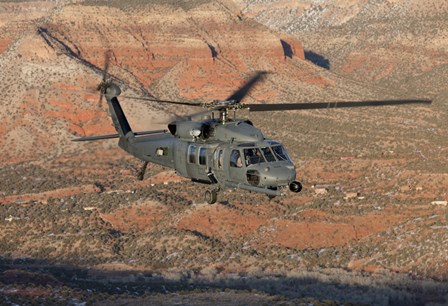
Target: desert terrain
(370,226)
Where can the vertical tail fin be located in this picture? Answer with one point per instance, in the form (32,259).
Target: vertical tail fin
(119,120)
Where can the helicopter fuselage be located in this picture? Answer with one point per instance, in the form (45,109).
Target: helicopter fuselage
(230,155)
(222,152)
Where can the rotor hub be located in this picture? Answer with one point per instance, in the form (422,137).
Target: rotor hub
(223,104)
(109,89)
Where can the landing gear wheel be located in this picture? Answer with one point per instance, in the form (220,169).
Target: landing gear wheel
(270,196)
(211,196)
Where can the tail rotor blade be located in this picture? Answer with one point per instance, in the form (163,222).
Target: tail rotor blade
(104,80)
(106,65)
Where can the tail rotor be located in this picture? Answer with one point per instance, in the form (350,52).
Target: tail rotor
(105,80)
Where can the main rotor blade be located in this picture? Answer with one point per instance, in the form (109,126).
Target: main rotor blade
(239,94)
(321,105)
(166,101)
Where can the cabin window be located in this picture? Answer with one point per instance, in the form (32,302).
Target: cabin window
(235,159)
(202,156)
(215,159)
(219,159)
(162,151)
(192,154)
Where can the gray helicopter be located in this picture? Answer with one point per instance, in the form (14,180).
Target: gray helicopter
(218,150)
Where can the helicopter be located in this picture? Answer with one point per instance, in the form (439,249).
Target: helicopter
(218,150)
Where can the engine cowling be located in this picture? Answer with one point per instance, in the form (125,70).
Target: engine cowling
(190,129)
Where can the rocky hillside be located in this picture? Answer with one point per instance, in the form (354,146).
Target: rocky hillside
(368,228)
(52,66)
(396,44)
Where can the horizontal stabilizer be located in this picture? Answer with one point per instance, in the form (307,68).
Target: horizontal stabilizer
(110,136)
(91,138)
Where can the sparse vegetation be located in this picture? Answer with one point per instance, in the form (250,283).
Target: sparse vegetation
(73,215)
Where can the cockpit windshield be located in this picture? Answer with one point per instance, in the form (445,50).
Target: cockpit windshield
(280,152)
(268,154)
(253,156)
(257,155)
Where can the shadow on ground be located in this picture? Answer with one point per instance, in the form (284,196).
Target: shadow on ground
(338,286)
(317,59)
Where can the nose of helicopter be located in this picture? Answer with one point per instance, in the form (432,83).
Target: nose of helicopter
(277,175)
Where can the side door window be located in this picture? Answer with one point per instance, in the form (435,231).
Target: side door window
(192,154)
(219,159)
(202,156)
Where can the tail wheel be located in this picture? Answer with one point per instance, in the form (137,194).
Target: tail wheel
(211,196)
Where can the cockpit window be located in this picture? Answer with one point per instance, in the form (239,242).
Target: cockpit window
(280,153)
(268,154)
(249,144)
(253,156)
(273,142)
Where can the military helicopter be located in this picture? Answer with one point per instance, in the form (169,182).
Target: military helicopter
(219,150)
